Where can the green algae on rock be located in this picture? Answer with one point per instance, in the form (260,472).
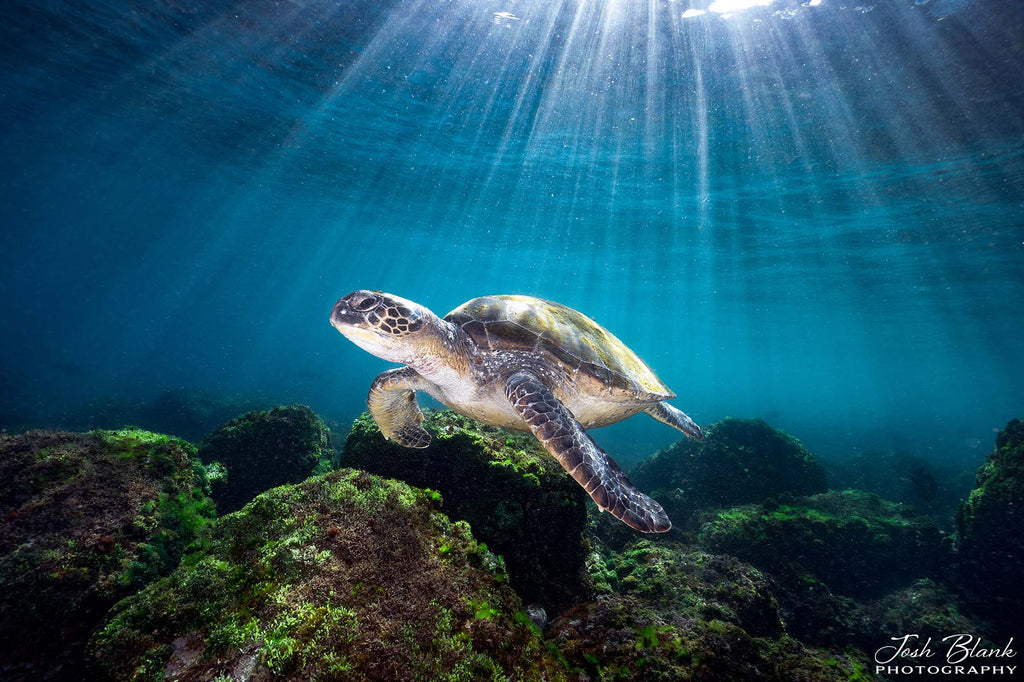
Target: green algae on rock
(670,612)
(690,581)
(188,413)
(933,487)
(847,568)
(511,491)
(89,518)
(740,461)
(264,449)
(926,608)
(345,576)
(856,543)
(990,532)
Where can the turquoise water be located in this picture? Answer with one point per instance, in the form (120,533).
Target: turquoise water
(807,212)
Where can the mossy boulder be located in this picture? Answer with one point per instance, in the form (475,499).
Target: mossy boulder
(511,491)
(846,567)
(87,520)
(188,413)
(669,612)
(740,461)
(926,608)
(264,449)
(856,543)
(932,487)
(990,532)
(345,576)
(688,581)
(817,616)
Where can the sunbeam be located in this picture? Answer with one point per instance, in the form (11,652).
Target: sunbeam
(766,197)
(802,221)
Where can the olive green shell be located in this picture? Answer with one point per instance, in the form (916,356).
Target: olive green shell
(533,325)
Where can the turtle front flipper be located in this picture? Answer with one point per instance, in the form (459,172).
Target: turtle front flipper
(675,418)
(392,403)
(564,437)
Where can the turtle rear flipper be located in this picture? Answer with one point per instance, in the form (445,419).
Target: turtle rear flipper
(564,437)
(675,418)
(392,403)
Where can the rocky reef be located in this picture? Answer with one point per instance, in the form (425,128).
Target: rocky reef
(925,607)
(476,558)
(188,413)
(511,491)
(345,576)
(263,449)
(990,533)
(671,612)
(932,487)
(834,559)
(740,461)
(857,543)
(88,519)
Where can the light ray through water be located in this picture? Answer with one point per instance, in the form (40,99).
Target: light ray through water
(764,200)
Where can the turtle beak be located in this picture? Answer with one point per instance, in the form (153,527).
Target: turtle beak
(345,317)
(352,324)
(342,316)
(352,310)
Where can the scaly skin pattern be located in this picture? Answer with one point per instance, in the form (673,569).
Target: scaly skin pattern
(519,363)
(561,435)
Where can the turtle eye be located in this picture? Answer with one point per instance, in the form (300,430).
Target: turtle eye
(363,302)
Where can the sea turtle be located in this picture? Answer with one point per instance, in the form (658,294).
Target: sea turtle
(520,363)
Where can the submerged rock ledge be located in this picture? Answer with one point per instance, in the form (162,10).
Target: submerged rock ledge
(344,576)
(88,518)
(517,498)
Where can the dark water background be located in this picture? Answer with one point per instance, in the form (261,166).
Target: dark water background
(811,214)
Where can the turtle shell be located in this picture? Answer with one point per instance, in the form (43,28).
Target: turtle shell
(533,325)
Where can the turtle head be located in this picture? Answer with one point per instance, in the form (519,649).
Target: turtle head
(387,326)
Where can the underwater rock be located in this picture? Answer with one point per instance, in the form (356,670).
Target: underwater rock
(817,616)
(344,576)
(261,450)
(187,413)
(990,532)
(669,612)
(691,583)
(193,414)
(846,567)
(932,487)
(925,608)
(511,491)
(740,461)
(854,542)
(88,519)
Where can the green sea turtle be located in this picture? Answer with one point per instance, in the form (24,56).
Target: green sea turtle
(520,363)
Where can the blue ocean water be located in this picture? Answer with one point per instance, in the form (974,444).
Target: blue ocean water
(807,212)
